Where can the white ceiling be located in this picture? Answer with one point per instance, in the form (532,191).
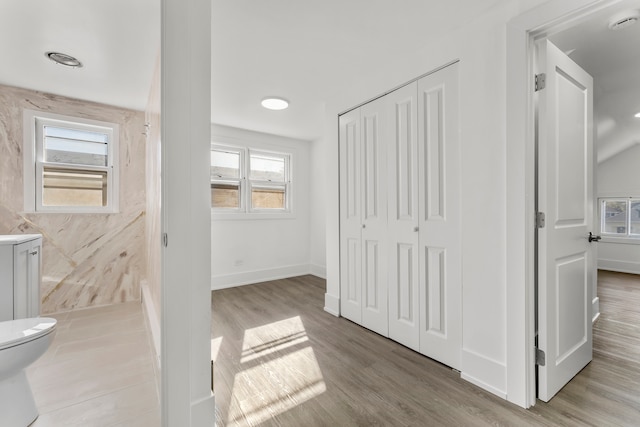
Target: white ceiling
(311,53)
(117,41)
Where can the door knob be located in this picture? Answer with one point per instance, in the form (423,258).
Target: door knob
(593,237)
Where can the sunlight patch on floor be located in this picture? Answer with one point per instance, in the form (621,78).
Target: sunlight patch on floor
(272,338)
(280,372)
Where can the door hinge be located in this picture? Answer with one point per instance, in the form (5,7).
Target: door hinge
(540,220)
(165,239)
(541,81)
(541,358)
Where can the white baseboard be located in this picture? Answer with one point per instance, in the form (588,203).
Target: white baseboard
(203,411)
(484,385)
(619,266)
(318,270)
(249,277)
(152,318)
(332,305)
(485,373)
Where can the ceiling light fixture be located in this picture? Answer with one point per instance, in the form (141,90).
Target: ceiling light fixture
(624,19)
(275,103)
(637,115)
(63,59)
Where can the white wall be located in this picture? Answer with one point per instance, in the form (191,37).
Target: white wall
(481,47)
(618,177)
(250,250)
(317,220)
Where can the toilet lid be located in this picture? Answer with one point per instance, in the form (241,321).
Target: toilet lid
(13,332)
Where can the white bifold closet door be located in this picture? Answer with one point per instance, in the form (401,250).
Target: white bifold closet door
(439,223)
(363,217)
(350,217)
(400,249)
(403,227)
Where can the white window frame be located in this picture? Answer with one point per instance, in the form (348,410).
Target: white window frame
(617,237)
(269,184)
(246,210)
(33,125)
(240,180)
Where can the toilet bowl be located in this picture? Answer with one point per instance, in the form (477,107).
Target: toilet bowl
(22,342)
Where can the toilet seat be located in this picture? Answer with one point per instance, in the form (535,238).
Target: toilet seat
(20,331)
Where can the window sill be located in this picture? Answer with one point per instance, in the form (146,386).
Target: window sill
(243,216)
(71,212)
(621,240)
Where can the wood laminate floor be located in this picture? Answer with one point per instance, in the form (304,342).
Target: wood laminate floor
(280,360)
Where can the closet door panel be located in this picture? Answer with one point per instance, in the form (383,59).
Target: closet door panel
(405,153)
(435,280)
(439,224)
(374,222)
(373,169)
(374,313)
(352,268)
(402,153)
(350,217)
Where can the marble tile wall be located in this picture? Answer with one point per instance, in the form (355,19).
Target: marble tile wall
(88,259)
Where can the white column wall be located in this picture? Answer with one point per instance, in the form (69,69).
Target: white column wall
(186,396)
(317,219)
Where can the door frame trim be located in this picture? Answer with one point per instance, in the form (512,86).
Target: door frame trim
(521,32)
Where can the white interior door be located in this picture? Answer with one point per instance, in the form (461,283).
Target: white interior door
(403,218)
(374,218)
(566,265)
(440,257)
(350,217)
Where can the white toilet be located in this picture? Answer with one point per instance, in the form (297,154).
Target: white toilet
(22,342)
(24,336)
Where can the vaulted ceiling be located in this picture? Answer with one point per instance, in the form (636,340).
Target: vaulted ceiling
(613,60)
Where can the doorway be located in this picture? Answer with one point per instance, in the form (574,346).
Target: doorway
(546,21)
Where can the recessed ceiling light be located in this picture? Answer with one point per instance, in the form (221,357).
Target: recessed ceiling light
(624,19)
(637,115)
(63,59)
(275,103)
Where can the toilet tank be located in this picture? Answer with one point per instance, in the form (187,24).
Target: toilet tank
(20,276)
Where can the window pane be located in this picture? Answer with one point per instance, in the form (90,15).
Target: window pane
(75,147)
(225,164)
(266,167)
(225,195)
(615,216)
(82,135)
(268,198)
(635,217)
(74,188)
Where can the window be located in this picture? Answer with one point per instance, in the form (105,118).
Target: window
(250,181)
(268,177)
(70,164)
(620,217)
(226,179)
